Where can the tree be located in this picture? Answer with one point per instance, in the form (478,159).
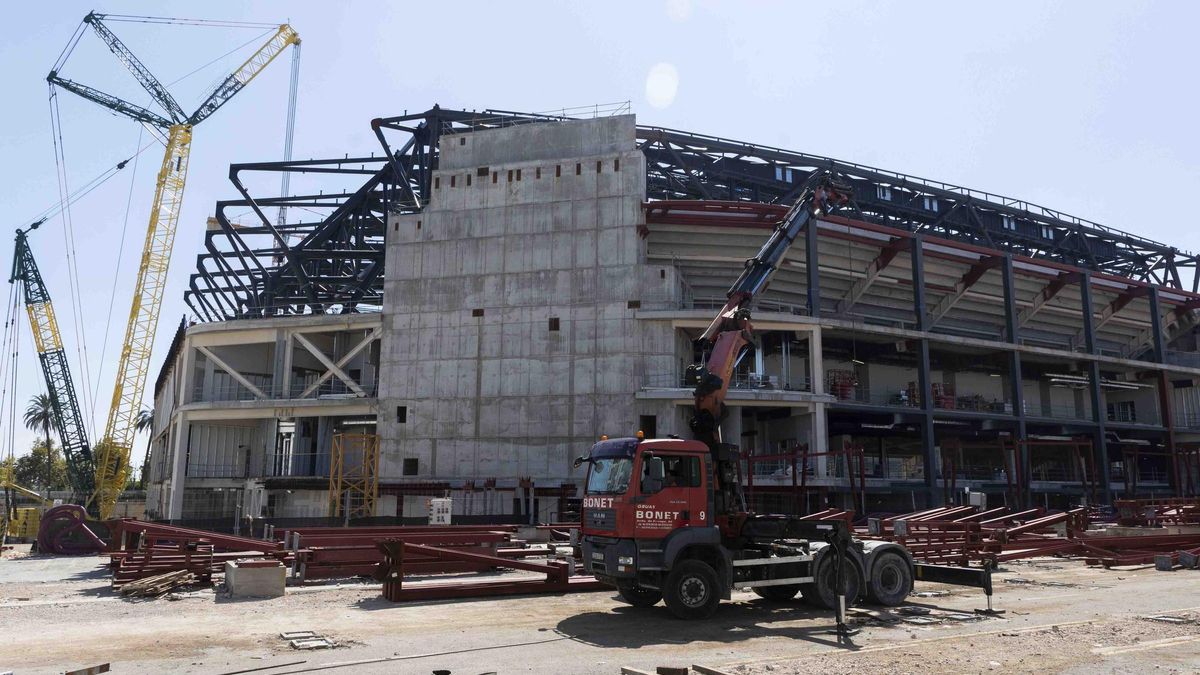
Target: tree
(144,423)
(42,469)
(39,416)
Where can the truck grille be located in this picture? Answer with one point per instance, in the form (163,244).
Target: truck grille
(601,519)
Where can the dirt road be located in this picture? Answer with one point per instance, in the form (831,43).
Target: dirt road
(60,614)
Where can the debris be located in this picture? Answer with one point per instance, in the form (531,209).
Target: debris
(94,670)
(1166,618)
(958,616)
(298,635)
(154,586)
(313,643)
(932,594)
(671,670)
(913,610)
(1018,580)
(919,620)
(705,670)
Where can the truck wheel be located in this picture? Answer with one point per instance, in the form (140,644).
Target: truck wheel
(640,597)
(891,579)
(826,595)
(777,593)
(691,591)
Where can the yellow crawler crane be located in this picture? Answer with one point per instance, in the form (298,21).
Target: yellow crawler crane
(112,451)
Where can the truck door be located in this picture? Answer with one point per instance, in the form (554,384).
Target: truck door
(678,501)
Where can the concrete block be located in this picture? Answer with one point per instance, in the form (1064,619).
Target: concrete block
(255,581)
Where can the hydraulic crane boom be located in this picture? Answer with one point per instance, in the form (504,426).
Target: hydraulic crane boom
(113,449)
(67,419)
(728,337)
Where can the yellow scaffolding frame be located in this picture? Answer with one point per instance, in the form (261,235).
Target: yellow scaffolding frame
(354,476)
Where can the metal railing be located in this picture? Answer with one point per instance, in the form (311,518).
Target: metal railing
(332,388)
(1059,411)
(861,394)
(741,381)
(1187,420)
(298,465)
(206,470)
(1185,359)
(1143,476)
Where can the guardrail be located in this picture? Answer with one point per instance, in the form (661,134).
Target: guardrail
(297,390)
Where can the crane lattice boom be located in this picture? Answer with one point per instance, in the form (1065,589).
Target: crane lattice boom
(113,450)
(68,421)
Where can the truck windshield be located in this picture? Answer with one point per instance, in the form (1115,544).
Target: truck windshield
(609,476)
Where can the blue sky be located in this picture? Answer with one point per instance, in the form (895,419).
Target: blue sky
(1086,107)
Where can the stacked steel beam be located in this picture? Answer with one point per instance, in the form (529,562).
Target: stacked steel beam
(963,535)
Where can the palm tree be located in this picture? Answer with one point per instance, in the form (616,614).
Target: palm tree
(39,416)
(145,422)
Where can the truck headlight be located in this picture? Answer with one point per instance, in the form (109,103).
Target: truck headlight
(625,560)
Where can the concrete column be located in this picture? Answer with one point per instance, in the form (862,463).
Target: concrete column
(281,365)
(927,433)
(812,268)
(1099,411)
(819,442)
(816,361)
(923,369)
(178,466)
(1156,329)
(185,377)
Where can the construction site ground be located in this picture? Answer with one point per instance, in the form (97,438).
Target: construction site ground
(1062,616)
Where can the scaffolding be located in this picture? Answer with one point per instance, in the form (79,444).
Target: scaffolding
(354,476)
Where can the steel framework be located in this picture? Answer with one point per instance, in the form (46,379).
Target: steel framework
(333,263)
(354,476)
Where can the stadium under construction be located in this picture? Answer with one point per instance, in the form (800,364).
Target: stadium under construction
(465,310)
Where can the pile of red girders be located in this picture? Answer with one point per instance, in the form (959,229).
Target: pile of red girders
(1109,551)
(958,535)
(139,549)
(396,556)
(334,552)
(1158,512)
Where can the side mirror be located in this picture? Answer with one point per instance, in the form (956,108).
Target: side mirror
(655,468)
(578,462)
(655,475)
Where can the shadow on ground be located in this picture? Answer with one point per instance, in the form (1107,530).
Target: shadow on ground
(628,627)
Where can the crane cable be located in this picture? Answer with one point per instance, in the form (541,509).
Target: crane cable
(134,18)
(60,161)
(116,275)
(5,448)
(8,371)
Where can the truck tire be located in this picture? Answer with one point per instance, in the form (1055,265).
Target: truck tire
(640,597)
(777,593)
(692,590)
(823,592)
(891,579)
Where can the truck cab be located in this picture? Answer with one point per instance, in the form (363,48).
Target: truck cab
(662,520)
(647,503)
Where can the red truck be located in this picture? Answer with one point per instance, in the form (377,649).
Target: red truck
(665,519)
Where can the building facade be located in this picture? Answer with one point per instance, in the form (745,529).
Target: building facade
(546,286)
